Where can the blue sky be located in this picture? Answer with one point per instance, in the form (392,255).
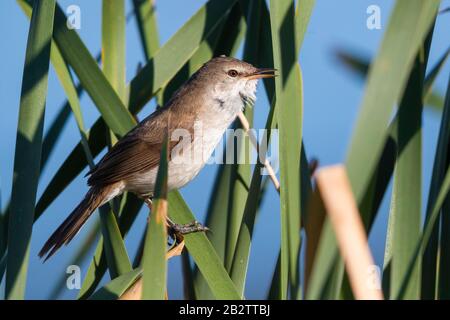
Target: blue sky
(332,99)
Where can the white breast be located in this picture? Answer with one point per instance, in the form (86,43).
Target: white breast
(185,165)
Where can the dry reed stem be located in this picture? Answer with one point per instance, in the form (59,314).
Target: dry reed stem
(135,291)
(253,140)
(341,207)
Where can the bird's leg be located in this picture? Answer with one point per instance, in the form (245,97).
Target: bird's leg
(149,203)
(187,228)
(177,231)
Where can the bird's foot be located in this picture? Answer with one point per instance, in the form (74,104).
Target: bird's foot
(187,228)
(177,231)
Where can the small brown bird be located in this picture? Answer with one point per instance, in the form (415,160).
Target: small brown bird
(211,98)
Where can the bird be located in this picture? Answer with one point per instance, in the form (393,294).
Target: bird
(211,98)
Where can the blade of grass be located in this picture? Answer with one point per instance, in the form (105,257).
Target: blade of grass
(177,51)
(134,292)
(440,166)
(28,147)
(115,288)
(203,253)
(406,195)
(238,271)
(77,259)
(203,53)
(113,45)
(441,163)
(154,262)
(91,77)
(2,266)
(240,170)
(76,54)
(188,277)
(98,265)
(306,191)
(289,115)
(435,214)
(217,210)
(303,14)
(113,58)
(406,133)
(443,291)
(433,99)
(408,26)
(432,75)
(145,13)
(229,42)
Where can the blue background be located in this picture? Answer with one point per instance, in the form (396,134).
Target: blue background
(332,98)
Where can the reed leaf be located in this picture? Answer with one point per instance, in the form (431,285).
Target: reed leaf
(203,253)
(116,287)
(145,13)
(154,262)
(406,195)
(410,22)
(28,147)
(289,106)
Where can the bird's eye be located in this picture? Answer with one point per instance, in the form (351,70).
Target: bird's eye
(233,73)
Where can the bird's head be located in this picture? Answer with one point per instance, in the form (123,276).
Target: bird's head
(229,78)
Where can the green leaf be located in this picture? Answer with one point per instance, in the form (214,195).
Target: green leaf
(406,196)
(115,288)
(98,265)
(113,45)
(77,259)
(113,58)
(91,77)
(203,253)
(154,263)
(238,271)
(3,266)
(215,218)
(176,52)
(432,75)
(289,106)
(114,246)
(429,272)
(239,180)
(145,13)
(188,277)
(229,42)
(302,16)
(409,24)
(435,212)
(28,146)
(360,65)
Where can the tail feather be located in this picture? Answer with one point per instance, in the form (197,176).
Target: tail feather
(72,225)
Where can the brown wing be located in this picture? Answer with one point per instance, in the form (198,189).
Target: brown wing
(140,149)
(137,151)
(127,157)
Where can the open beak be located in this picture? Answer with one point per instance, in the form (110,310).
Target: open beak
(262,73)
